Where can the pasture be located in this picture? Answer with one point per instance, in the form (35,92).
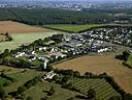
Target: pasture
(22,38)
(99,64)
(72,28)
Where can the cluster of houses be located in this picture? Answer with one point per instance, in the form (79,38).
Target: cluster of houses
(72,45)
(118,35)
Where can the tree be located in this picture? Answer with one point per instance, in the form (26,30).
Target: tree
(51,91)
(125,55)
(29,98)
(2,92)
(91,94)
(115,98)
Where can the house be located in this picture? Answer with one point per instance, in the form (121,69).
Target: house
(20,54)
(50,75)
(45,61)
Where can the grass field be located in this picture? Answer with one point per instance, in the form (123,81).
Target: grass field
(99,64)
(72,28)
(19,39)
(129,61)
(20,79)
(39,91)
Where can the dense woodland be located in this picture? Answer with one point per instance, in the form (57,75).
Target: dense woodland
(58,16)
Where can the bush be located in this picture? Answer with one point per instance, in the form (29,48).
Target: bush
(2,93)
(21,89)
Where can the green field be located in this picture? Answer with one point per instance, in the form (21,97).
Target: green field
(23,38)
(4,81)
(39,91)
(103,89)
(20,78)
(73,28)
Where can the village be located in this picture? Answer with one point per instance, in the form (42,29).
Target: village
(74,44)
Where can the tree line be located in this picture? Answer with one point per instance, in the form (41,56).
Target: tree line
(52,16)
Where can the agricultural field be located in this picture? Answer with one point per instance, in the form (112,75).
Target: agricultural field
(101,63)
(72,28)
(103,89)
(21,34)
(15,27)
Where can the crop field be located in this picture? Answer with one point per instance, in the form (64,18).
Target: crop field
(72,28)
(101,63)
(104,91)
(15,27)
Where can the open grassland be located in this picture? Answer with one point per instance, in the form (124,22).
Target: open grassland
(73,28)
(21,38)
(101,63)
(15,27)
(104,91)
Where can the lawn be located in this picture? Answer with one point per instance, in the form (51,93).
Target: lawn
(73,28)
